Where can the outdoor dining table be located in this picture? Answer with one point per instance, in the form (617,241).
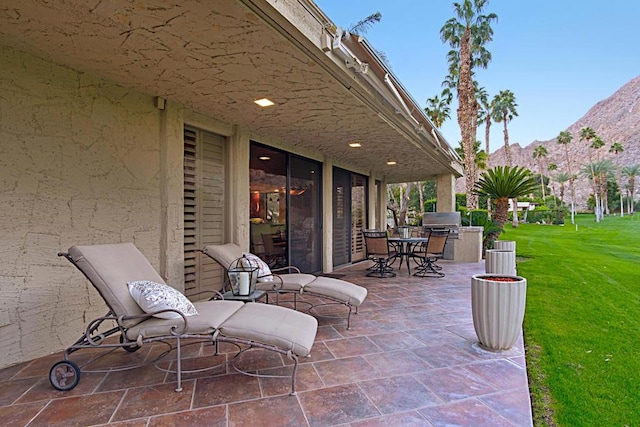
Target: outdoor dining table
(405,247)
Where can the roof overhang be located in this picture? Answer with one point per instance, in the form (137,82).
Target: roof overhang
(217,57)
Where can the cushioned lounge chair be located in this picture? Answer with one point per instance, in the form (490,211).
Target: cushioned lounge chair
(111,267)
(338,291)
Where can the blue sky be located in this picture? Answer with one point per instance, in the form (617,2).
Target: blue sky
(559,57)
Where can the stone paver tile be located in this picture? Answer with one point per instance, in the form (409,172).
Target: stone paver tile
(215,416)
(154,400)
(514,405)
(306,379)
(80,411)
(454,384)
(436,337)
(406,419)
(342,371)
(281,411)
(337,405)
(10,391)
(503,374)
(398,394)
(465,413)
(445,355)
(356,346)
(225,389)
(396,341)
(19,415)
(43,390)
(396,362)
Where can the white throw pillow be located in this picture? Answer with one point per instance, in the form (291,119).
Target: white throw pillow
(264,272)
(152,296)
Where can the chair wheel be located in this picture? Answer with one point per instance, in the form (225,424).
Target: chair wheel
(64,375)
(130,348)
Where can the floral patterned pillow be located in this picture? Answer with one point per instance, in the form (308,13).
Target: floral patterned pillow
(152,297)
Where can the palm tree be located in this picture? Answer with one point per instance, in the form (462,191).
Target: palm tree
(631,172)
(362,26)
(587,134)
(484,114)
(617,148)
(552,167)
(595,171)
(602,181)
(503,183)
(539,153)
(437,110)
(481,156)
(467,33)
(561,178)
(564,138)
(504,111)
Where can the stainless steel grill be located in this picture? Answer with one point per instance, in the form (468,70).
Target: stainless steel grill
(450,220)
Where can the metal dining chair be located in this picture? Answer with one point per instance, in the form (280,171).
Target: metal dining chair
(430,252)
(380,252)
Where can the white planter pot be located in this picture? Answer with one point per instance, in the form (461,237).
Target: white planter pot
(505,245)
(498,309)
(500,262)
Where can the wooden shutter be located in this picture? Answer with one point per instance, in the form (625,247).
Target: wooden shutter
(358,216)
(204,173)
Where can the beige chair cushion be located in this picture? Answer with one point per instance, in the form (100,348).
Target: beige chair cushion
(290,282)
(278,326)
(109,267)
(211,314)
(224,254)
(338,289)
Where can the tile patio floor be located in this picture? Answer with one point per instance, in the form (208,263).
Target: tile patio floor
(409,360)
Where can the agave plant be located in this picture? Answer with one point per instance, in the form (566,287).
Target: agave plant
(503,183)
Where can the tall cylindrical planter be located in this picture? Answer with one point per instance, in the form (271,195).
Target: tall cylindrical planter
(499,261)
(505,245)
(497,304)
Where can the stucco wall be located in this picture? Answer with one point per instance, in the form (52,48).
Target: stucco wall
(80,162)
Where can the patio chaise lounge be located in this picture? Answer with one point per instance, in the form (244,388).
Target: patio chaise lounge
(336,290)
(129,284)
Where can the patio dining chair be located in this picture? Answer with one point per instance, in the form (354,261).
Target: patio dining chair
(380,252)
(430,252)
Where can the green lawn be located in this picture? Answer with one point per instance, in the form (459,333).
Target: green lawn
(582,321)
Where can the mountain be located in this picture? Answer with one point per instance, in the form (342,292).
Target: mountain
(615,119)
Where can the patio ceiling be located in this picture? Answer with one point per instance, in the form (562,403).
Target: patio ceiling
(217,57)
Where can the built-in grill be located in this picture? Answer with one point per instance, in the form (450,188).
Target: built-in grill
(450,220)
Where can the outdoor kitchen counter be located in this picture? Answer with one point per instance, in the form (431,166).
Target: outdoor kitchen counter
(468,246)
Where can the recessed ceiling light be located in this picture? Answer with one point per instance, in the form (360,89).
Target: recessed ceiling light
(264,102)
(264,158)
(391,162)
(355,145)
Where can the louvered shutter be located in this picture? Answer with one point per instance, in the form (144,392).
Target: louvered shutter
(359,216)
(203,207)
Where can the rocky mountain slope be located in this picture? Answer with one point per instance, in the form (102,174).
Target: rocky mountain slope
(615,119)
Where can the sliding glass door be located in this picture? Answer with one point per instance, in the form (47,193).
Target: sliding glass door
(285,208)
(305,214)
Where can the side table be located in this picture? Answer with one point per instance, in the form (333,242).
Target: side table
(252,297)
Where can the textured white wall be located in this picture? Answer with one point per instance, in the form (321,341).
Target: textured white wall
(80,162)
